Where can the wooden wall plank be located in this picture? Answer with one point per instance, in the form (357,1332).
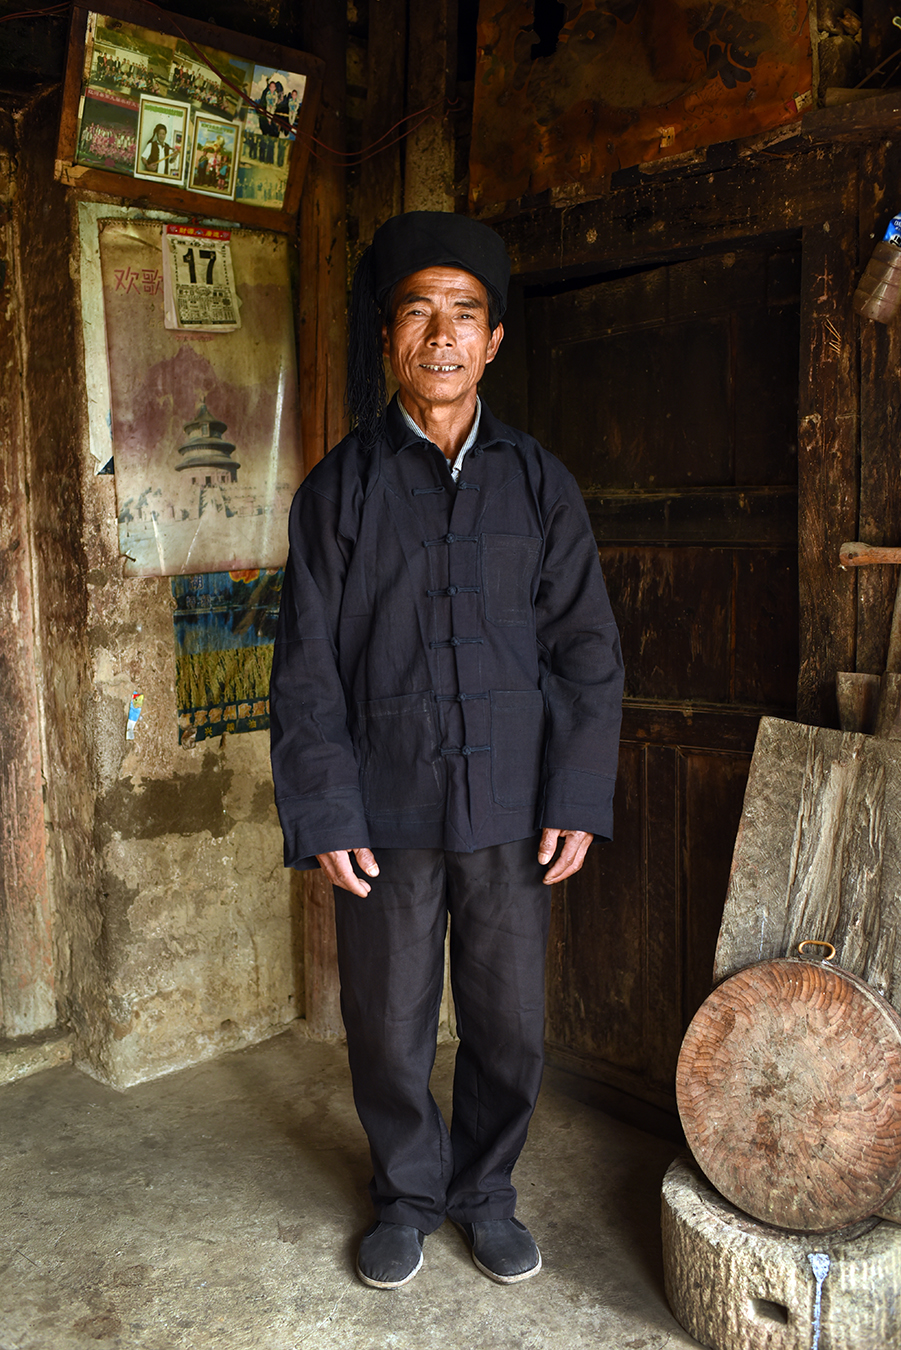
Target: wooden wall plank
(773,193)
(380,194)
(27,984)
(322,313)
(827,457)
(880,421)
(431,81)
(322,340)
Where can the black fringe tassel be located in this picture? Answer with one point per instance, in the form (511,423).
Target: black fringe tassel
(366,395)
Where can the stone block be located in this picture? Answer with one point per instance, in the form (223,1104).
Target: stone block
(736,1284)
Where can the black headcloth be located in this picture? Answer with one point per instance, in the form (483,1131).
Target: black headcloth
(403,245)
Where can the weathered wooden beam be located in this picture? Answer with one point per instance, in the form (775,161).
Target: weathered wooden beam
(863,120)
(322,312)
(827,457)
(321,986)
(322,319)
(431,82)
(27,992)
(59,519)
(380,194)
(764,516)
(880,419)
(858,699)
(773,193)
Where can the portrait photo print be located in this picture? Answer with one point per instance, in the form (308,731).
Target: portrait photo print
(214,157)
(162,128)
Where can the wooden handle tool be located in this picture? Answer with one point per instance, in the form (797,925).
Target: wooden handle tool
(855,692)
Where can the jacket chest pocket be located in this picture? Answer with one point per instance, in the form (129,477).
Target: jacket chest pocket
(397,749)
(508,566)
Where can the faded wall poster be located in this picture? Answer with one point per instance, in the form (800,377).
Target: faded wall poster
(567,94)
(224,632)
(204,425)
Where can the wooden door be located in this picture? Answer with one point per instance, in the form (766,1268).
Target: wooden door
(671,394)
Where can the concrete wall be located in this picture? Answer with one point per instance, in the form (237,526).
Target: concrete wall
(176,931)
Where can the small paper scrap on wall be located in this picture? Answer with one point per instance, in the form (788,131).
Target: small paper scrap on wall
(134,712)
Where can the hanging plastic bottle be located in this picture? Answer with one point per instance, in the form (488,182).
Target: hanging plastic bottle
(878,294)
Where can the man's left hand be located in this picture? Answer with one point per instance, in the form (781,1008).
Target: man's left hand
(572,855)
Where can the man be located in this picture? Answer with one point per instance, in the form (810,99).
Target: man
(446,699)
(156,154)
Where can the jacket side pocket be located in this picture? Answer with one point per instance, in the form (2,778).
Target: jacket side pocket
(397,748)
(517,746)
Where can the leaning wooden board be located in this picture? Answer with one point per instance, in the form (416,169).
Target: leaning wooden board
(818,856)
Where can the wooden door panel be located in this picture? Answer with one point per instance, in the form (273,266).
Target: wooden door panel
(765,636)
(602,387)
(765,402)
(714,787)
(602,916)
(633,936)
(672,607)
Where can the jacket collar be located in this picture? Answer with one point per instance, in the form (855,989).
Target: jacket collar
(401,437)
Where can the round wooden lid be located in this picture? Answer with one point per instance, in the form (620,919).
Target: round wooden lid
(789,1090)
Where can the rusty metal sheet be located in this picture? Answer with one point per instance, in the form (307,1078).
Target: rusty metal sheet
(624,82)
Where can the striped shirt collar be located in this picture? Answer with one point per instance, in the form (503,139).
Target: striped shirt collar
(467,444)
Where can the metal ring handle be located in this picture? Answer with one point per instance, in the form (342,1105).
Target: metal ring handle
(813,942)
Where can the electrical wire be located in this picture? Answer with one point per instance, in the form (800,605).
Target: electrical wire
(49,12)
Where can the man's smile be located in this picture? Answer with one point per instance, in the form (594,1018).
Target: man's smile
(434,365)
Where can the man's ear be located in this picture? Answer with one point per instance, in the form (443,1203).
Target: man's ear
(495,341)
(385,339)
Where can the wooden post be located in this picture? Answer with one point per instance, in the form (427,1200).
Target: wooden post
(27,991)
(432,63)
(322,320)
(880,422)
(322,313)
(827,460)
(380,175)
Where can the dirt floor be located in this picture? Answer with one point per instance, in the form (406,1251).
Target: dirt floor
(220,1207)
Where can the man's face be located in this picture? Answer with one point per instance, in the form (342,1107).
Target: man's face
(439,340)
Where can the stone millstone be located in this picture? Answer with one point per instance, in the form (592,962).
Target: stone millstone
(735,1284)
(789,1091)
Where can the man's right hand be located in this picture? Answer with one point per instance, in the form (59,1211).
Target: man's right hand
(337,867)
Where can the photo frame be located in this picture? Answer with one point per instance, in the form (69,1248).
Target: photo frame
(148,92)
(213,167)
(160,143)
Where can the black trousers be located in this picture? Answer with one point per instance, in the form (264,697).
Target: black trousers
(391,961)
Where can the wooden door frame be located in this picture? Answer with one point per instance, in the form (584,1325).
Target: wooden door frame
(27,967)
(849,400)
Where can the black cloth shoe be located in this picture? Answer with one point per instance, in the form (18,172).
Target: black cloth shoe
(390,1255)
(503,1249)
